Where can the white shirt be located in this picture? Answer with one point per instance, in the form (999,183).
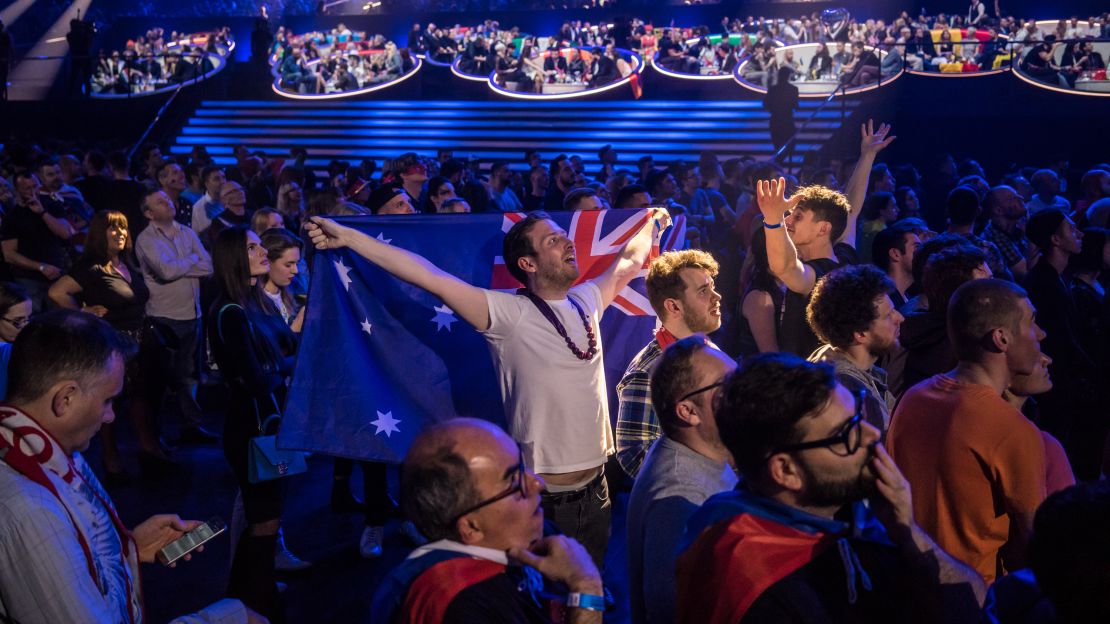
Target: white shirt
(556,405)
(200,213)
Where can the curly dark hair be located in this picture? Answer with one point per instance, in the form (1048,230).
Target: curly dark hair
(826,205)
(664,280)
(762,402)
(844,302)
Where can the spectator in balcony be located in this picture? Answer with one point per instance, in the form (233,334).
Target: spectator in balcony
(476,59)
(821,63)
(863,68)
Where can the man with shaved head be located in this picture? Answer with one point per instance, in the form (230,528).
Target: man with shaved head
(465,485)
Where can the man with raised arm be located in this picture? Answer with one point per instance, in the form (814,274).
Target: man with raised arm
(546,348)
(813,233)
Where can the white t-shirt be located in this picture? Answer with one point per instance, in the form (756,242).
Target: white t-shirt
(556,404)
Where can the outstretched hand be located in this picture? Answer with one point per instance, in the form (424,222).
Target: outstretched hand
(874,141)
(325,233)
(771,196)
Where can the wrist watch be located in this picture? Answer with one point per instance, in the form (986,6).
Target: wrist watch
(576,600)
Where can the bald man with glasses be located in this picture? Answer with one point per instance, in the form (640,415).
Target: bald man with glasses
(466,487)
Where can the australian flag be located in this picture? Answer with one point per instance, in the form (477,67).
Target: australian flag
(380,359)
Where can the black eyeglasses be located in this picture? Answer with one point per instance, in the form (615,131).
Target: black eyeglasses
(850,436)
(18,323)
(519,484)
(700,390)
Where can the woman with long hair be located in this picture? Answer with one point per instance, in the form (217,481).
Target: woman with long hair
(108,282)
(283,250)
(254,350)
(761,301)
(15,313)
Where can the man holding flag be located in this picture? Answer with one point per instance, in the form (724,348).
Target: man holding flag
(546,351)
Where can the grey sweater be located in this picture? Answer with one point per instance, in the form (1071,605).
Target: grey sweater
(673,482)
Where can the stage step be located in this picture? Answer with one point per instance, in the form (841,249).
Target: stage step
(492,131)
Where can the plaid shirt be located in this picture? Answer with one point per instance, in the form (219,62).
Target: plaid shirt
(1013,251)
(637,425)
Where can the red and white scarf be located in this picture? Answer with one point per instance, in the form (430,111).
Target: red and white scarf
(32,452)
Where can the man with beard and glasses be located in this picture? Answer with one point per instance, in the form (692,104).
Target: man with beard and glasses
(796,541)
(977,464)
(682,292)
(851,312)
(687,465)
(546,350)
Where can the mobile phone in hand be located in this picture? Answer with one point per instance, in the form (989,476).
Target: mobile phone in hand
(189,542)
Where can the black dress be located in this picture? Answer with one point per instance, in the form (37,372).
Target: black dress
(125,299)
(254,352)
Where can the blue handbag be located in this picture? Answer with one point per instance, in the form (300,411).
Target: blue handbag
(266,462)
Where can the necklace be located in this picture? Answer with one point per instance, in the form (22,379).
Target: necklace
(549,314)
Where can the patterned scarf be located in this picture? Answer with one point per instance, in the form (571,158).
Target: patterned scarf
(34,453)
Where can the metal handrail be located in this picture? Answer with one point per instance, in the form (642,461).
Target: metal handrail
(157,117)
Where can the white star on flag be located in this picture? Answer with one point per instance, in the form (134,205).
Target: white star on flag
(366,326)
(382,238)
(386,423)
(344,273)
(444,317)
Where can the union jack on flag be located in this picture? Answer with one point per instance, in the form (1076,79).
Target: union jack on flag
(380,359)
(597,242)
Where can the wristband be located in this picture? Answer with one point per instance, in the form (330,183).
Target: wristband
(588,602)
(772,227)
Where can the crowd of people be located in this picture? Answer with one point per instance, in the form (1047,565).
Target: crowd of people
(337,61)
(823,350)
(152,61)
(859,51)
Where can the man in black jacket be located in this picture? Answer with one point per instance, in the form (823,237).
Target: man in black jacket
(1070,411)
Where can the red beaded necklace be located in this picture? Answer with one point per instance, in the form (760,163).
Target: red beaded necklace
(549,314)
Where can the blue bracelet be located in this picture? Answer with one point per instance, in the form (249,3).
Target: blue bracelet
(585,601)
(772,227)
